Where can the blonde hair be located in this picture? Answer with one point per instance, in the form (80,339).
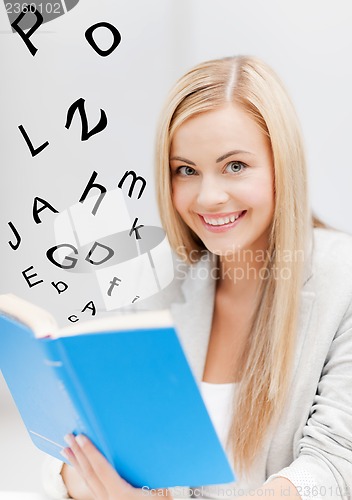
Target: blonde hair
(267,358)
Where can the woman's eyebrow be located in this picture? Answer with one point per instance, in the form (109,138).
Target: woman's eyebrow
(230,153)
(183,159)
(221,158)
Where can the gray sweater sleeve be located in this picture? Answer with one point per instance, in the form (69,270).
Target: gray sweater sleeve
(323,465)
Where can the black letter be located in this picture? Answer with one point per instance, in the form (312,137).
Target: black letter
(25,36)
(109,255)
(91,185)
(113,283)
(73,320)
(79,104)
(90,306)
(51,251)
(27,278)
(115,33)
(33,151)
(135,179)
(136,229)
(36,210)
(14,246)
(57,286)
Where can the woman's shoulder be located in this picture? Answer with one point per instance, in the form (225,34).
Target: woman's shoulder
(332,258)
(331,237)
(332,245)
(328,290)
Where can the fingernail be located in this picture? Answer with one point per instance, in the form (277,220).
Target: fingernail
(69,439)
(64,454)
(81,440)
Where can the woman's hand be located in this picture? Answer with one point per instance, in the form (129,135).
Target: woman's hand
(102,480)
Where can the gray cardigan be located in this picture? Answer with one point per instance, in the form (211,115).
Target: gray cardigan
(311,444)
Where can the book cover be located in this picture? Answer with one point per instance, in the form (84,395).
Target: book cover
(130,390)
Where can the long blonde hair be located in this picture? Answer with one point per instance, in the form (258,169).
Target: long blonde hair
(268,354)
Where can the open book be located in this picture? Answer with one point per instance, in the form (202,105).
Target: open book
(123,381)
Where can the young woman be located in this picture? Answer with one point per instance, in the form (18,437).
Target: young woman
(267,316)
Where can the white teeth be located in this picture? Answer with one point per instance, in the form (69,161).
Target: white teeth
(221,221)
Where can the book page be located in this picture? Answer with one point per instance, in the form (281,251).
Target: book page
(37,319)
(132,321)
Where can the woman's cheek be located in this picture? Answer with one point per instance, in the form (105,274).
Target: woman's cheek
(181,198)
(259,194)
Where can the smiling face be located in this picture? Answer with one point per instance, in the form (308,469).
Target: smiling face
(223,180)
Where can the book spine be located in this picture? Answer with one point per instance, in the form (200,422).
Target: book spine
(86,422)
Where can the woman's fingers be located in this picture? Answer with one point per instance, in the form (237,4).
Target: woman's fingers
(101,466)
(100,476)
(87,470)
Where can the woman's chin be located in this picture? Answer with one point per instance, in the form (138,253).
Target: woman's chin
(225,251)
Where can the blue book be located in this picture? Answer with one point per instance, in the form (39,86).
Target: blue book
(123,381)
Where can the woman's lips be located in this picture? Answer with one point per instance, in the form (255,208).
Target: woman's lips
(223,227)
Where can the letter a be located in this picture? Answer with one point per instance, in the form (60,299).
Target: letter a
(90,305)
(36,210)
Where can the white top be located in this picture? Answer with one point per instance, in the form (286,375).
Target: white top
(219,400)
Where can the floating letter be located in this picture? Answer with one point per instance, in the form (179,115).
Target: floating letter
(79,104)
(14,246)
(50,255)
(34,152)
(57,286)
(91,185)
(92,250)
(91,307)
(135,179)
(37,210)
(115,33)
(134,228)
(27,278)
(26,36)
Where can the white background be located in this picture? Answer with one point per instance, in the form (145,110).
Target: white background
(309,44)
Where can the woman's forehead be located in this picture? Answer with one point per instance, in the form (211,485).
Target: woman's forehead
(228,127)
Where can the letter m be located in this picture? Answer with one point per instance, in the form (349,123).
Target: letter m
(135,178)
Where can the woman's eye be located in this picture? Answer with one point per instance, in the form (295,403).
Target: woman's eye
(235,167)
(187,171)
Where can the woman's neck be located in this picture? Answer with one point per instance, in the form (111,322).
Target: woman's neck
(241,273)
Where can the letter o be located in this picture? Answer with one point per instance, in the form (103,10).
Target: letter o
(115,33)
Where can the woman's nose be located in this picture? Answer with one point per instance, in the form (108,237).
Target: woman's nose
(212,192)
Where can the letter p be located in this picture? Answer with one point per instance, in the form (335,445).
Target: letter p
(26,36)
